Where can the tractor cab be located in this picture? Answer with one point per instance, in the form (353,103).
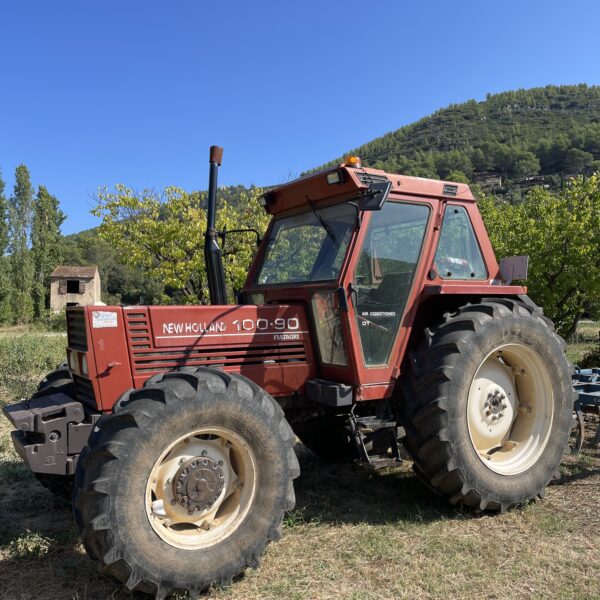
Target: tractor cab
(357,247)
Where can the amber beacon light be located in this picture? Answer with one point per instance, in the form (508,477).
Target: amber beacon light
(353,161)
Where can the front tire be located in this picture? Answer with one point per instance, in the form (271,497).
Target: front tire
(488,403)
(187,483)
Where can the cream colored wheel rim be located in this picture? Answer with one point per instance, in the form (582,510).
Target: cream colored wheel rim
(201,488)
(510,409)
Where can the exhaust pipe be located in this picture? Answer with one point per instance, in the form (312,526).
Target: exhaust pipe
(213,256)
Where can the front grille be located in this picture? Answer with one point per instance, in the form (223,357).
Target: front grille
(139,332)
(84,390)
(147,361)
(76,332)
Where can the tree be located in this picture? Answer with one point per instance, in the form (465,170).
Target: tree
(5,287)
(561,235)
(20,214)
(526,164)
(577,161)
(163,235)
(45,245)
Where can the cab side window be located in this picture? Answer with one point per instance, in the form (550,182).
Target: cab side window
(458,255)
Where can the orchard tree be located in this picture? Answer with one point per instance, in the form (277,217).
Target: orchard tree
(561,235)
(20,213)
(45,245)
(164,235)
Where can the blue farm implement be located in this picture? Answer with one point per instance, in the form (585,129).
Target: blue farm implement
(586,383)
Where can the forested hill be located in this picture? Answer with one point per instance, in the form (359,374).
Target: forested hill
(545,132)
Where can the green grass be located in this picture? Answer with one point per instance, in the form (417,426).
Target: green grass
(25,357)
(584,349)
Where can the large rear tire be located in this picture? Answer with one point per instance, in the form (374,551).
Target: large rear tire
(487,404)
(187,483)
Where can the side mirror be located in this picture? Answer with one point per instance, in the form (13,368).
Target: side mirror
(375,197)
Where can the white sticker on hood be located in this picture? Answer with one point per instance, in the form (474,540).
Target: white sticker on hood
(102,318)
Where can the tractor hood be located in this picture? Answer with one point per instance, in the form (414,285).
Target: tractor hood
(268,344)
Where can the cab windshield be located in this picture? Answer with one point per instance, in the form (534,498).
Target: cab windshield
(308,247)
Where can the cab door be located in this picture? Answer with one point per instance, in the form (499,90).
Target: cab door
(388,261)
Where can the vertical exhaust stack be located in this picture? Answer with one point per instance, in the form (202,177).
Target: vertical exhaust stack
(212,252)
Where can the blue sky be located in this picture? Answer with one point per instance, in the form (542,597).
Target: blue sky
(101,92)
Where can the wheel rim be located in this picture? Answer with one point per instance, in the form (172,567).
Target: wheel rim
(510,409)
(201,488)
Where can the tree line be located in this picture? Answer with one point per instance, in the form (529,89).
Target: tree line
(30,248)
(149,247)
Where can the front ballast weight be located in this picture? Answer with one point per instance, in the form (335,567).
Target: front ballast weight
(50,432)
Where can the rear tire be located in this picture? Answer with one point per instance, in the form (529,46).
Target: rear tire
(487,405)
(149,454)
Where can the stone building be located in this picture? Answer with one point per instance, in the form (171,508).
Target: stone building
(74,286)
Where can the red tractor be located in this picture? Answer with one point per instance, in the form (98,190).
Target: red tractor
(374,314)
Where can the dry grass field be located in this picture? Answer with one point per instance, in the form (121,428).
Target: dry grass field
(354,534)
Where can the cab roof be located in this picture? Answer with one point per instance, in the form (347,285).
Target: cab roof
(344,182)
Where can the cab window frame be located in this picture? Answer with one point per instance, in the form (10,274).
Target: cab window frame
(442,274)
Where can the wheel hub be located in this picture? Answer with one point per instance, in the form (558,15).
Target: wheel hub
(198,483)
(496,404)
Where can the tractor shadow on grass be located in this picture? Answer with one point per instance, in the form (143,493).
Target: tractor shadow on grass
(350,493)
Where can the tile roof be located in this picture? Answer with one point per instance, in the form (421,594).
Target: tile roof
(83,272)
